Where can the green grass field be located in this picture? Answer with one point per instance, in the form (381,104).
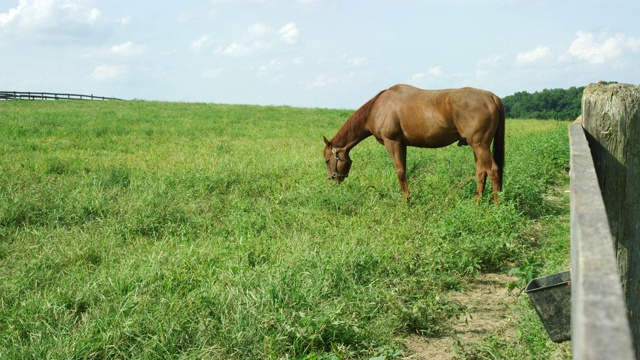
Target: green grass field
(198,231)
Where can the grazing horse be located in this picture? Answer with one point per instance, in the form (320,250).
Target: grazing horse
(404,116)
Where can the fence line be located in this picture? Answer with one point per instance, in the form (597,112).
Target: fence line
(600,327)
(12,95)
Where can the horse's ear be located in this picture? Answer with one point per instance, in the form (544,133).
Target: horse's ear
(326,142)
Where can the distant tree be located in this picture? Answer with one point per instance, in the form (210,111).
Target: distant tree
(558,104)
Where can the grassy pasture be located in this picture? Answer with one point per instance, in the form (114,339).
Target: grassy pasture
(200,231)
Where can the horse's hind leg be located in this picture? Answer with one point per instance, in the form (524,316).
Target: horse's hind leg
(481,175)
(485,165)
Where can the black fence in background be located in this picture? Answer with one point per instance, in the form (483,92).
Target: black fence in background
(21,95)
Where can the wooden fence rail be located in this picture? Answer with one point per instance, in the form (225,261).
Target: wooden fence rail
(13,95)
(611,117)
(599,322)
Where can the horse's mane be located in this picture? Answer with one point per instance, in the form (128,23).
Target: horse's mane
(357,119)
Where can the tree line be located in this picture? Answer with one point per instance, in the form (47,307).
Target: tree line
(558,104)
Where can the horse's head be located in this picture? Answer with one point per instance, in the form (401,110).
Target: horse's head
(338,162)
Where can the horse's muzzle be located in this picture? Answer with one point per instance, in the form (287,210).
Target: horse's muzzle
(337,178)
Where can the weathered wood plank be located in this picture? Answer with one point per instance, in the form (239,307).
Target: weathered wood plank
(600,327)
(612,122)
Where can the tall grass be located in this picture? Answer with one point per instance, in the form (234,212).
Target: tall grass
(174,230)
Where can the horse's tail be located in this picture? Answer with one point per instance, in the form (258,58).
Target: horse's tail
(498,141)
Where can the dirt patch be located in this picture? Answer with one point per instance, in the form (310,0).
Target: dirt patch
(492,310)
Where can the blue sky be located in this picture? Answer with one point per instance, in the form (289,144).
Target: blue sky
(312,53)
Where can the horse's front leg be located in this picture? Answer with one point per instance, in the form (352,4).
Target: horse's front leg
(398,152)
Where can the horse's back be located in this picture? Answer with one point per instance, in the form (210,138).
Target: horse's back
(461,97)
(433,118)
(447,102)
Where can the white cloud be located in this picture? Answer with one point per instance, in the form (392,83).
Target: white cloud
(323,80)
(487,64)
(258,2)
(94,15)
(212,73)
(491,60)
(357,61)
(127,49)
(125,21)
(289,33)
(435,71)
(238,1)
(267,69)
(604,48)
(50,16)
(241,49)
(199,44)
(418,76)
(299,60)
(538,54)
(259,37)
(258,31)
(12,14)
(108,72)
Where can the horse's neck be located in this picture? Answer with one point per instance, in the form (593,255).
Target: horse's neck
(350,134)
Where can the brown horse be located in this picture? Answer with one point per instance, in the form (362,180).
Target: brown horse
(407,116)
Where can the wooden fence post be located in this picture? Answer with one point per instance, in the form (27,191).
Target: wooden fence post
(611,118)
(17,95)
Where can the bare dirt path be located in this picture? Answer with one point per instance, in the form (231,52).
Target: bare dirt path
(492,312)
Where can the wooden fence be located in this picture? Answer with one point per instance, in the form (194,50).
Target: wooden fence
(602,321)
(600,328)
(12,95)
